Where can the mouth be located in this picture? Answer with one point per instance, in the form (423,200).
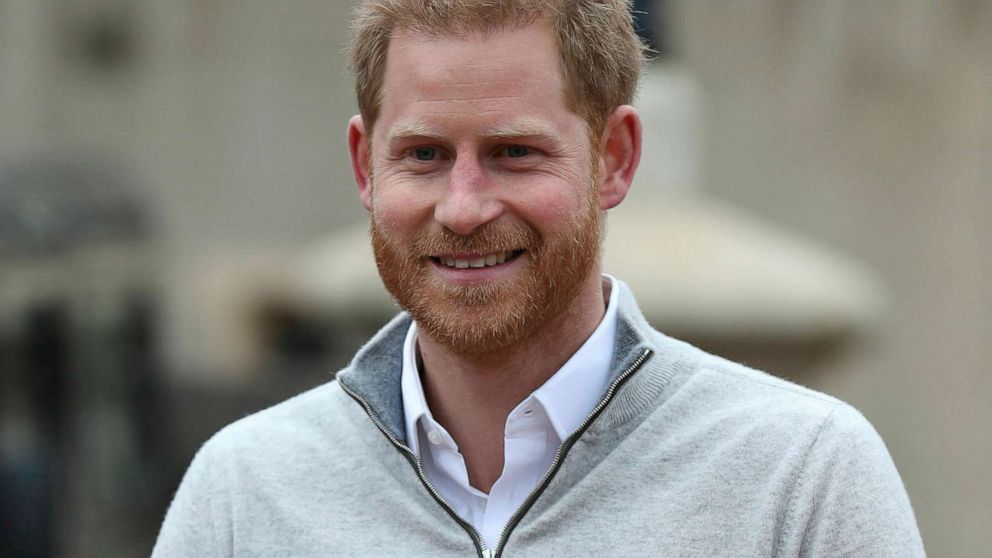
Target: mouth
(467,261)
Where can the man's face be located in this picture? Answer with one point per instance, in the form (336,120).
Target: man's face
(485,219)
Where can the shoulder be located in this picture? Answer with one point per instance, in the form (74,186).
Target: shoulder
(693,388)
(844,479)
(841,493)
(719,403)
(747,393)
(236,467)
(750,398)
(306,422)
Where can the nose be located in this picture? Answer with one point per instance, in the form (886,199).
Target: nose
(469,200)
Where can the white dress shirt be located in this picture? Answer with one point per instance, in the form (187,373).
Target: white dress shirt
(534,429)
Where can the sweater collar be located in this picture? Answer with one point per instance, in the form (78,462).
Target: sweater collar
(375,372)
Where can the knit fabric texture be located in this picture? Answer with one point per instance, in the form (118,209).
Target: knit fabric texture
(693,456)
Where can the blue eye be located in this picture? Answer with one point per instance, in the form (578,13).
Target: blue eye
(517,151)
(425,153)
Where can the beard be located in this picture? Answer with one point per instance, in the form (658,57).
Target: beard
(485,318)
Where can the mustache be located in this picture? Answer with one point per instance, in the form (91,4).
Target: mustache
(486,239)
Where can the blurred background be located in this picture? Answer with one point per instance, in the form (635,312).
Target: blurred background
(181,242)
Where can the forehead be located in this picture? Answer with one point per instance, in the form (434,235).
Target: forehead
(473,76)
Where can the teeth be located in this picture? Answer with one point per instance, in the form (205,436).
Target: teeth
(486,261)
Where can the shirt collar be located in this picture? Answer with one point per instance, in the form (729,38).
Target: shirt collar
(414,401)
(567,397)
(570,395)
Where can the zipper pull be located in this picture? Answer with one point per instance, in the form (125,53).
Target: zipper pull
(487,553)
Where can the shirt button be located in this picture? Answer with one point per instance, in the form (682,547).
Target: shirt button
(435,437)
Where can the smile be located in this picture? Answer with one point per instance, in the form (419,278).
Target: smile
(488,260)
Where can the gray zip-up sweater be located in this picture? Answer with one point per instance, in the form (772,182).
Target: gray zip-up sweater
(687,455)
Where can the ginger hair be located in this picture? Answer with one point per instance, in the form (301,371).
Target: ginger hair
(600,55)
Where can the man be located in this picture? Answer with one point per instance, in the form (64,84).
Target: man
(527,409)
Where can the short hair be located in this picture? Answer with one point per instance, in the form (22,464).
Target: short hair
(601,56)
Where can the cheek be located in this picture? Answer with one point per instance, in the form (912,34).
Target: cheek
(553,201)
(562,188)
(398,208)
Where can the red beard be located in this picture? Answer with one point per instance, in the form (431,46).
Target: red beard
(483,319)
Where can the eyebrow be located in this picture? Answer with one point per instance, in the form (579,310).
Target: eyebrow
(523,128)
(404,130)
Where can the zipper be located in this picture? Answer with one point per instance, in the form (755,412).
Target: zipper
(565,447)
(480,545)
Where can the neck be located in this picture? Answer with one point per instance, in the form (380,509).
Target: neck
(472,395)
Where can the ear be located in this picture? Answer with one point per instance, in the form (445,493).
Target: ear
(358,149)
(619,154)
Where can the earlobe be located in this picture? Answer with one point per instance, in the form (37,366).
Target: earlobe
(620,153)
(358,149)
